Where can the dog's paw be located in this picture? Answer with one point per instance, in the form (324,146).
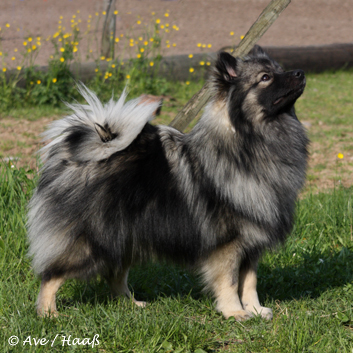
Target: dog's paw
(47,313)
(265,313)
(239,315)
(141,304)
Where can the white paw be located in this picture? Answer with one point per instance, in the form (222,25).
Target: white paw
(239,315)
(265,313)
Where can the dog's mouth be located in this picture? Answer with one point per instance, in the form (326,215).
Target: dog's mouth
(296,92)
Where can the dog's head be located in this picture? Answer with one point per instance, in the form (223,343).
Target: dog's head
(256,86)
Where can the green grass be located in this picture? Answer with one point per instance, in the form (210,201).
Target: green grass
(308,283)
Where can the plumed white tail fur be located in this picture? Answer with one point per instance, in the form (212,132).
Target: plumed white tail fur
(123,120)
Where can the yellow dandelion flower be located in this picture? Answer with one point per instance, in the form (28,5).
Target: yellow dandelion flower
(122,63)
(62,59)
(167,31)
(73,16)
(96,70)
(39,82)
(153,13)
(340,156)
(29,50)
(19,68)
(151,39)
(97,14)
(113,66)
(138,22)
(34,47)
(24,43)
(117,40)
(110,74)
(167,24)
(38,39)
(145,42)
(13,58)
(209,45)
(203,45)
(202,63)
(61,17)
(158,20)
(231,33)
(241,37)
(140,39)
(131,44)
(39,44)
(104,13)
(30,38)
(15,50)
(162,26)
(142,50)
(151,63)
(187,82)
(74,49)
(191,69)
(168,45)
(54,80)
(116,12)
(62,49)
(174,44)
(121,35)
(199,45)
(108,59)
(208,63)
(166,14)
(190,56)
(4,69)
(138,56)
(78,11)
(128,76)
(7,25)
(51,57)
(0,53)
(102,57)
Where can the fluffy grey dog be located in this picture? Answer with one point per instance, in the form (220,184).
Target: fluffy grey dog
(115,190)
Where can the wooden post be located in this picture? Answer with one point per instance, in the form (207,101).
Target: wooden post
(108,36)
(257,30)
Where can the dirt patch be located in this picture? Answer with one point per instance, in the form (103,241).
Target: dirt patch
(208,22)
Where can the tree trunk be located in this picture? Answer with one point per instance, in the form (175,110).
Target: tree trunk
(108,36)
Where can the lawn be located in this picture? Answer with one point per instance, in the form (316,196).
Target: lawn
(308,282)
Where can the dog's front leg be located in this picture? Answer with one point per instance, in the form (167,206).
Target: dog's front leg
(248,293)
(221,274)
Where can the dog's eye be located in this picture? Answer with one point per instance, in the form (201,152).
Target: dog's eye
(265,78)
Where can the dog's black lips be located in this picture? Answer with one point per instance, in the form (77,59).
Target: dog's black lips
(299,88)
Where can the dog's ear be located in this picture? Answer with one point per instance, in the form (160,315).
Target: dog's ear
(226,66)
(257,51)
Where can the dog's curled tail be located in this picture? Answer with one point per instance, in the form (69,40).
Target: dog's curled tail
(94,131)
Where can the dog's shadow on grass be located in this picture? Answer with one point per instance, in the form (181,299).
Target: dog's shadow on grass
(313,275)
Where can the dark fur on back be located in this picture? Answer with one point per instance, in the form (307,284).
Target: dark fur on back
(234,177)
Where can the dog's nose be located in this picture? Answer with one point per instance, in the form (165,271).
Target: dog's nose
(298,73)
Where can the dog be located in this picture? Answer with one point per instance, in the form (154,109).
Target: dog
(115,190)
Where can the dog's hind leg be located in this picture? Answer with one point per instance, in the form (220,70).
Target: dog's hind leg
(119,287)
(46,302)
(221,274)
(247,290)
